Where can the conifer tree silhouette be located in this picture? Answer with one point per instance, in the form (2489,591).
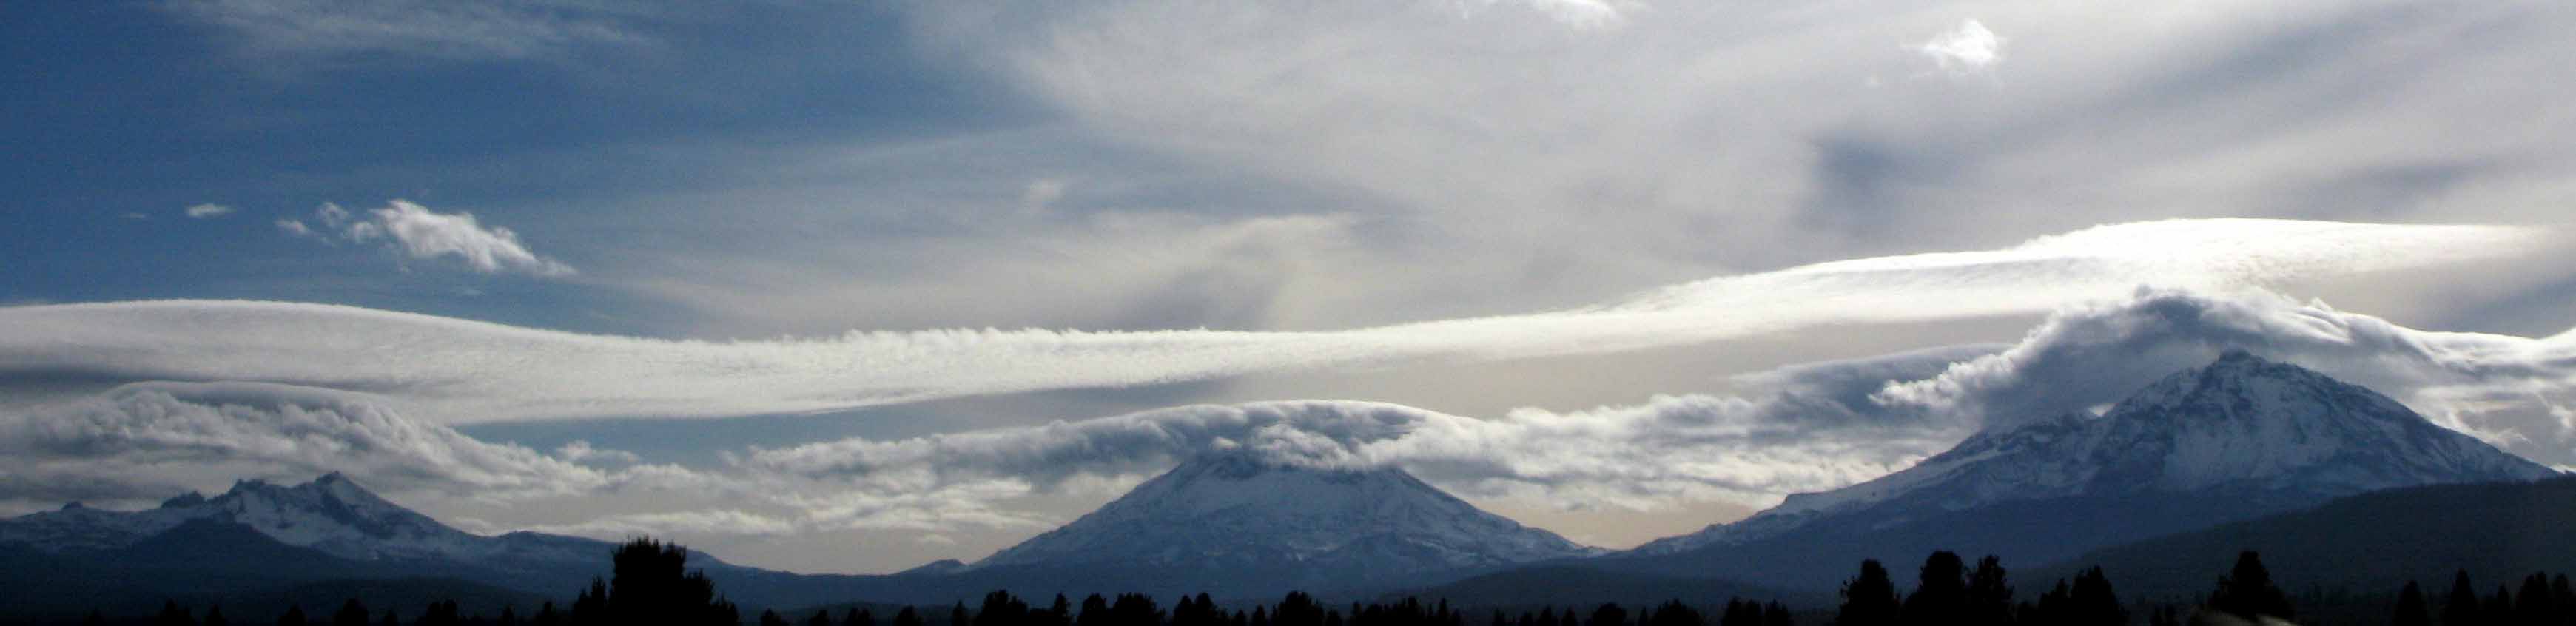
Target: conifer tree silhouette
(1608,614)
(2498,608)
(771,618)
(2533,605)
(2247,591)
(858,617)
(1989,597)
(1940,592)
(173,615)
(1869,599)
(352,613)
(2094,603)
(907,617)
(546,615)
(1777,614)
(508,617)
(2411,610)
(390,619)
(2460,608)
(294,616)
(215,616)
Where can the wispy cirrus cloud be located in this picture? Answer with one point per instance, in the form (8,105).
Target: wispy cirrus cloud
(468,30)
(460,371)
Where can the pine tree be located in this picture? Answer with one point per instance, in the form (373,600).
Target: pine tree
(546,615)
(820,618)
(2411,610)
(1777,614)
(215,617)
(860,617)
(99,619)
(1990,594)
(2534,606)
(2460,608)
(1940,592)
(2247,591)
(174,615)
(390,619)
(352,613)
(1870,599)
(772,618)
(957,615)
(907,617)
(1059,612)
(509,617)
(2498,609)
(1609,614)
(2094,603)
(294,616)
(442,613)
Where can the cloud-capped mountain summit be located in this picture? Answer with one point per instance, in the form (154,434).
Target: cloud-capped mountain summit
(2235,439)
(331,514)
(1241,521)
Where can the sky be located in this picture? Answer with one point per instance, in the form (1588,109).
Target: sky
(853,286)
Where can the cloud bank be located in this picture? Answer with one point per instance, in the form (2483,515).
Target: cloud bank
(458,371)
(1802,428)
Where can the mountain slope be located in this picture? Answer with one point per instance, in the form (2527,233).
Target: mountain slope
(2238,438)
(260,538)
(2368,543)
(1234,522)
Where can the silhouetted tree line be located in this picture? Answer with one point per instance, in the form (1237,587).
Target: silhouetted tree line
(651,584)
(1000,608)
(2544,600)
(1949,592)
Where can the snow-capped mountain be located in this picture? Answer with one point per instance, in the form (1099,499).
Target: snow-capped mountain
(1236,520)
(2243,425)
(2239,438)
(331,514)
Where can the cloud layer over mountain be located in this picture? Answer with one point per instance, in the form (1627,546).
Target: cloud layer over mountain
(458,371)
(1804,428)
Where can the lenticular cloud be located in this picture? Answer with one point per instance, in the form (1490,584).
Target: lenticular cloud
(458,371)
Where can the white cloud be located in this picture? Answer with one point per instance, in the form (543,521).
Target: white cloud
(152,440)
(2500,388)
(1966,49)
(674,523)
(579,451)
(420,233)
(427,234)
(208,211)
(1803,428)
(1042,193)
(461,371)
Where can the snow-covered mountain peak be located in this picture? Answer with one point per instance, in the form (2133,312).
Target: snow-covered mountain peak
(332,513)
(1236,510)
(2242,425)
